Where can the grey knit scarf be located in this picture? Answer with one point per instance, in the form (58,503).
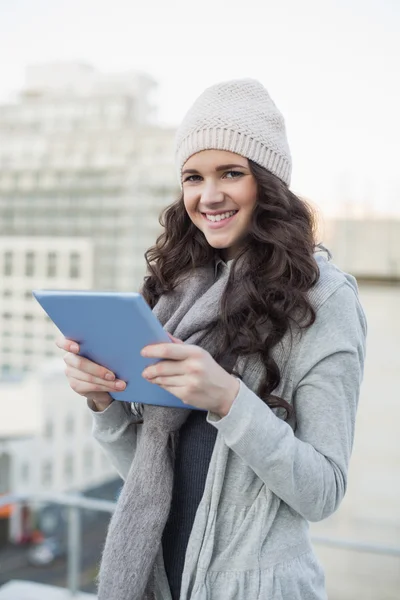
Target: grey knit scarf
(136,528)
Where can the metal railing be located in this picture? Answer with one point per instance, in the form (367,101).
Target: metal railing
(76,503)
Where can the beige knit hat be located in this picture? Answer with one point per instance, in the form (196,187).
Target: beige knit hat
(239,116)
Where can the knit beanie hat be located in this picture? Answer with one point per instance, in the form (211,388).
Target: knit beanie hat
(238,116)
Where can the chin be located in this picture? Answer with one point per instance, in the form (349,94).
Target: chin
(219,245)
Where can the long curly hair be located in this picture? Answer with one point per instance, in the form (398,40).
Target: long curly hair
(275,269)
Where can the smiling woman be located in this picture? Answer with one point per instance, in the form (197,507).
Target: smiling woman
(269,343)
(235,211)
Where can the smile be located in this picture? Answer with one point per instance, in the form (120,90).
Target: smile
(220,216)
(219,220)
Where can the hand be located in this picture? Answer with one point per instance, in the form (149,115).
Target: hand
(191,374)
(88,378)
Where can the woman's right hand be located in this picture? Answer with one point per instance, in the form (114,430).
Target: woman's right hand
(88,378)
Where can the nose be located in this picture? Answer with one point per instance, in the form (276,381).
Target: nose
(211,195)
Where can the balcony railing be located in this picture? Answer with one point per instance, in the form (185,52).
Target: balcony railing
(76,503)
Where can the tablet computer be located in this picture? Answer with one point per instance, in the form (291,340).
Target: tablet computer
(111,329)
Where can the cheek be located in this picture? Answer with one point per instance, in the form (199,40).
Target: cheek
(247,205)
(252,205)
(246,197)
(190,204)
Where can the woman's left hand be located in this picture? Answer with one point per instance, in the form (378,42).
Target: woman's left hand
(191,374)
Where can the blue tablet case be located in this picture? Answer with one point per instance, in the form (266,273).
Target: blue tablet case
(111,329)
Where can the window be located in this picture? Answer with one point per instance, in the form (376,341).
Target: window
(88,420)
(29,263)
(8,263)
(28,295)
(5,469)
(48,430)
(51,264)
(25,473)
(69,425)
(74,265)
(68,467)
(28,317)
(7,316)
(7,293)
(88,461)
(47,473)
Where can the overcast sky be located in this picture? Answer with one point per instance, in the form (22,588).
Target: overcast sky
(332,67)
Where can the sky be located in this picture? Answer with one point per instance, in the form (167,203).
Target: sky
(331,66)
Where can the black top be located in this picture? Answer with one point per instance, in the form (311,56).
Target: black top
(193,454)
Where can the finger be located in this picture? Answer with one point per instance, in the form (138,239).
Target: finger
(165,368)
(175,340)
(73,373)
(171,351)
(84,364)
(68,345)
(170,382)
(84,387)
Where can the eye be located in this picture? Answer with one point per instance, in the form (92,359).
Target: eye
(234,174)
(190,178)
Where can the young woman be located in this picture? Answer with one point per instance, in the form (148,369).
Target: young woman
(270,344)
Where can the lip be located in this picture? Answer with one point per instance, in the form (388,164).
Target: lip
(218,224)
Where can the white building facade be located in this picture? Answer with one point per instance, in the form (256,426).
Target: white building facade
(84,175)
(27,335)
(81,167)
(46,438)
(61,456)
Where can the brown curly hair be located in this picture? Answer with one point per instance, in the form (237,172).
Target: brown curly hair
(275,269)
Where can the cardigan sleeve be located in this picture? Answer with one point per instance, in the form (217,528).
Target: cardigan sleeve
(115,429)
(307,468)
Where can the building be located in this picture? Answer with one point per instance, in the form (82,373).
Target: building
(367,248)
(46,442)
(84,169)
(84,174)
(27,335)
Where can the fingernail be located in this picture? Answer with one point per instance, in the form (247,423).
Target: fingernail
(110,377)
(120,385)
(74,347)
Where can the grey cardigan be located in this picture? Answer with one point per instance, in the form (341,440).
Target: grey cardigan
(267,478)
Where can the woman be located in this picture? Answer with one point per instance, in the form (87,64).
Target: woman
(216,502)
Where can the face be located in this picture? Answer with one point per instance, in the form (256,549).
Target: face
(220,193)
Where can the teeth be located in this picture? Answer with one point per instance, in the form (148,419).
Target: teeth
(220,217)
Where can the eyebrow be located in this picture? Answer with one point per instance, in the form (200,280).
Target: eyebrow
(220,168)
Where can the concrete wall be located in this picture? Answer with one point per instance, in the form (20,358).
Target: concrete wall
(365,248)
